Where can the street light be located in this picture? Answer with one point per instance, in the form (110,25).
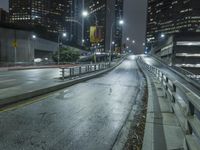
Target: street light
(121,22)
(85,13)
(34,36)
(113,42)
(133,41)
(64,34)
(128,39)
(59,36)
(162,35)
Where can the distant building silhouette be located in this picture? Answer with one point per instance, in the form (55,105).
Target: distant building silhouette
(171,16)
(52,16)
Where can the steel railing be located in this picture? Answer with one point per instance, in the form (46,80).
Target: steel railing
(184,102)
(67,72)
(181,71)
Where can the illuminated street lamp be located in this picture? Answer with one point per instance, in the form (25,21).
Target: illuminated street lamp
(34,36)
(128,39)
(162,35)
(85,13)
(121,22)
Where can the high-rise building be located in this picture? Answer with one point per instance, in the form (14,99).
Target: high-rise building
(52,15)
(118,28)
(3,16)
(97,17)
(104,14)
(171,16)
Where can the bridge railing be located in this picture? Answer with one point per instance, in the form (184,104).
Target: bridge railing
(67,72)
(187,73)
(185,104)
(179,70)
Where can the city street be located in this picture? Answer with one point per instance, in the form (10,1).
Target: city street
(19,78)
(86,116)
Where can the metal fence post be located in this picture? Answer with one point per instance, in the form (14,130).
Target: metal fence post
(80,70)
(95,67)
(63,73)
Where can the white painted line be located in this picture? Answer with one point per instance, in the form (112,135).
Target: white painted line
(10,80)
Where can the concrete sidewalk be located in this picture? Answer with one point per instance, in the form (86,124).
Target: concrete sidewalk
(162,129)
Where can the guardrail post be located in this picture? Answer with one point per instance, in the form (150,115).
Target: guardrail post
(80,70)
(95,67)
(70,72)
(99,68)
(63,73)
(86,68)
(90,68)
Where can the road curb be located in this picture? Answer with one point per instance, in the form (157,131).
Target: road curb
(122,136)
(39,92)
(162,130)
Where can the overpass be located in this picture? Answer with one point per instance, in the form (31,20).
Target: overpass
(95,106)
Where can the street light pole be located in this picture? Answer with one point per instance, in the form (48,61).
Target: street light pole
(110,52)
(121,22)
(83,25)
(58,49)
(59,37)
(86,14)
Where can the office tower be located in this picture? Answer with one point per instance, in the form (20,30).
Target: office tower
(102,15)
(118,28)
(53,16)
(171,16)
(3,16)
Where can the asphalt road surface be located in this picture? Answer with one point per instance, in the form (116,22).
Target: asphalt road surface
(86,116)
(19,78)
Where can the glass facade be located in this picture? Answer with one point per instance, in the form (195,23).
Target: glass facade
(119,8)
(52,15)
(171,16)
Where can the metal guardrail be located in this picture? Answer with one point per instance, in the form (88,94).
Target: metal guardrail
(67,72)
(186,73)
(185,104)
(180,70)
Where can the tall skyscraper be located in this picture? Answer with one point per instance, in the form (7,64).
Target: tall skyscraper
(171,16)
(97,17)
(53,15)
(3,16)
(106,15)
(119,9)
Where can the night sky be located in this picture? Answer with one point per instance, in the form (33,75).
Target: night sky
(4,4)
(135,27)
(135,18)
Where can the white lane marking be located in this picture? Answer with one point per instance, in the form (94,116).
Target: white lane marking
(10,80)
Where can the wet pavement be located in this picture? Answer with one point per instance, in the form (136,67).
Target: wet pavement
(86,116)
(10,79)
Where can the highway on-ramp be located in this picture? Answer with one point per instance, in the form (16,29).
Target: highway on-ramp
(86,116)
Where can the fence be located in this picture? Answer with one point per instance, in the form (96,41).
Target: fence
(79,70)
(185,104)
